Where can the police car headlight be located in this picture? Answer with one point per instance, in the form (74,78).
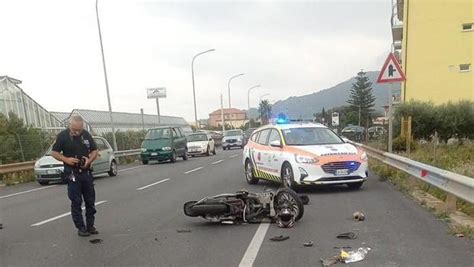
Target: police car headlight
(305,159)
(166,148)
(143,149)
(363,156)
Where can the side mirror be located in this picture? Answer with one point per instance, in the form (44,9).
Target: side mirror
(276,143)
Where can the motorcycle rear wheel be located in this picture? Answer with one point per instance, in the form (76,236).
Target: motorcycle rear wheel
(187,209)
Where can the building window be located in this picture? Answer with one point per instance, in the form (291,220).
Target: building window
(467,27)
(464,67)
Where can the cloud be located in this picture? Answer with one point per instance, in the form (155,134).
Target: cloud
(290,48)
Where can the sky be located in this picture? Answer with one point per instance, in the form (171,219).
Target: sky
(290,48)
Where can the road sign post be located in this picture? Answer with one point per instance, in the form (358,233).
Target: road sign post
(156,93)
(390,73)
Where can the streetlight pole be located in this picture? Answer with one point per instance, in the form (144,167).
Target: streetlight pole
(194,89)
(228,86)
(105,76)
(248,101)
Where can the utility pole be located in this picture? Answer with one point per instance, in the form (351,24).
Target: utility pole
(105,76)
(158,110)
(390,119)
(143,119)
(222,114)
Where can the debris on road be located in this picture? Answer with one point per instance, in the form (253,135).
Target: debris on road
(1,225)
(460,235)
(358,216)
(355,255)
(96,241)
(279,238)
(348,235)
(183,231)
(330,261)
(308,244)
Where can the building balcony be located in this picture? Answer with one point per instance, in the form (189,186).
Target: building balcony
(397,21)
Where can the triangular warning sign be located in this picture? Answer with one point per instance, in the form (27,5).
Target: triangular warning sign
(391,71)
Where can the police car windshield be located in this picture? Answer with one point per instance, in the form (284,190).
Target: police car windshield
(158,134)
(310,136)
(197,137)
(233,133)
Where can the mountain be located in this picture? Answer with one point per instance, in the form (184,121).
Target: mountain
(305,106)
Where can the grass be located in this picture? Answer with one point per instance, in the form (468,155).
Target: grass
(467,231)
(458,159)
(17,178)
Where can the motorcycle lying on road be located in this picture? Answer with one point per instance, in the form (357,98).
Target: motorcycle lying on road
(284,206)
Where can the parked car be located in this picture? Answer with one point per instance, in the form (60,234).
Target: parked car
(164,143)
(48,169)
(233,138)
(354,133)
(201,144)
(376,131)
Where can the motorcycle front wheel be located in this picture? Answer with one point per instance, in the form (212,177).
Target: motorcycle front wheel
(288,196)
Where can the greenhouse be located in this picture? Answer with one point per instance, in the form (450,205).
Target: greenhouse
(14,99)
(98,122)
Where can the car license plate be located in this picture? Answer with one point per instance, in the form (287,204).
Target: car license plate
(154,154)
(342,172)
(51,172)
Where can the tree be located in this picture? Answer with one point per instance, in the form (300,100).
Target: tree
(265,111)
(361,98)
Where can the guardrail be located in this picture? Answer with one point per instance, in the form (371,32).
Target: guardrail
(17,167)
(131,152)
(458,185)
(29,165)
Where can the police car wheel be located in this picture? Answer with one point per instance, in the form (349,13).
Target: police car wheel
(287,177)
(208,151)
(249,173)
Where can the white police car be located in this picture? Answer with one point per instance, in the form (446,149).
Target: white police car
(297,154)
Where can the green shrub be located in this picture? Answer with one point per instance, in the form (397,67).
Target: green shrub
(400,144)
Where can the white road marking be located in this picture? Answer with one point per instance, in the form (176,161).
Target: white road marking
(27,191)
(62,215)
(233,156)
(159,182)
(254,246)
(216,162)
(193,170)
(131,168)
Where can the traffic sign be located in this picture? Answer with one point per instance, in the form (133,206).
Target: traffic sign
(159,92)
(391,71)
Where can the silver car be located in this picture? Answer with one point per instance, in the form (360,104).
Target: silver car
(48,169)
(233,138)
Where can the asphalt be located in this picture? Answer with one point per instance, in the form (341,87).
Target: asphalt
(139,227)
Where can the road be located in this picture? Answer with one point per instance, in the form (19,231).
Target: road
(142,211)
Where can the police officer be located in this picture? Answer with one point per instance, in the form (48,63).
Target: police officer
(77,150)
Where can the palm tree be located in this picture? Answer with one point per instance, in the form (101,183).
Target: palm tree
(265,111)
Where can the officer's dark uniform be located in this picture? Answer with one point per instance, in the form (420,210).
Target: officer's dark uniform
(80,181)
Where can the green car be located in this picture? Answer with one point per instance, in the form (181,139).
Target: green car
(164,143)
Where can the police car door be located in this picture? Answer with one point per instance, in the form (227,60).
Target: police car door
(275,154)
(260,153)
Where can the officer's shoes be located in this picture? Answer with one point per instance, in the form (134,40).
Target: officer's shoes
(91,230)
(83,232)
